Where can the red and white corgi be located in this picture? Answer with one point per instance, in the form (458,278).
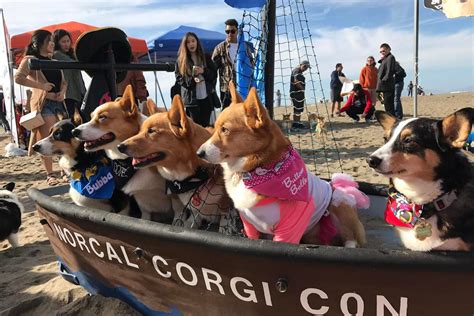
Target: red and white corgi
(270,185)
(168,142)
(111,123)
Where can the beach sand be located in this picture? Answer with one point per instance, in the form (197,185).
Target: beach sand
(29,280)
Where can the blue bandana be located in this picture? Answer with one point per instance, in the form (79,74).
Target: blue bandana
(96,182)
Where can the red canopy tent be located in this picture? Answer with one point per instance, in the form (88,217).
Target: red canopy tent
(20,41)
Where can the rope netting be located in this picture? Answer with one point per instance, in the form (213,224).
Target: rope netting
(314,139)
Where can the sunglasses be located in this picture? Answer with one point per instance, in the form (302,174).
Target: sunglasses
(230,31)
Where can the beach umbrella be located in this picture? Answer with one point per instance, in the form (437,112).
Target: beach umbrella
(20,41)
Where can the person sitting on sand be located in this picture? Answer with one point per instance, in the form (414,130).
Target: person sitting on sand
(359,102)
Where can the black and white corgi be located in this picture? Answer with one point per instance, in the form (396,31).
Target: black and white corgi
(91,179)
(10,215)
(431,196)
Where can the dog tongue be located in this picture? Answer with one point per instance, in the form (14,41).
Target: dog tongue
(135,161)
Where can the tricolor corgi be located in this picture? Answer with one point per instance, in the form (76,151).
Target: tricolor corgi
(270,185)
(168,142)
(431,196)
(111,123)
(89,172)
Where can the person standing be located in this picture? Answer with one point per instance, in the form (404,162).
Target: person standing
(297,87)
(400,74)
(368,78)
(75,84)
(196,74)
(3,112)
(136,79)
(385,79)
(278,95)
(48,93)
(224,57)
(336,87)
(410,89)
(359,102)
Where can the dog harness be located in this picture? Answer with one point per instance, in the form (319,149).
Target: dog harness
(190,183)
(400,211)
(123,171)
(289,211)
(95,182)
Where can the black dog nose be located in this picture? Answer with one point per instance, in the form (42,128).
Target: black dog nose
(36,147)
(373,161)
(76,132)
(201,153)
(122,148)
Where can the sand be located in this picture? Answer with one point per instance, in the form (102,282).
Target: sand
(29,280)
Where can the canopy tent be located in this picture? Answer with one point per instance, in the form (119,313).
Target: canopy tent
(165,48)
(20,41)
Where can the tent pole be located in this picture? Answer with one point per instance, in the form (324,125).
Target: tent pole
(270,58)
(415,61)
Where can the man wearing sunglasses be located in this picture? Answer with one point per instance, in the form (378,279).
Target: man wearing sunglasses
(386,80)
(224,57)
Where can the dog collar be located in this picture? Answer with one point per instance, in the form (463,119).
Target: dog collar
(123,171)
(400,211)
(190,183)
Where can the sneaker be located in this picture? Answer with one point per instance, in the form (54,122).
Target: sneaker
(356,121)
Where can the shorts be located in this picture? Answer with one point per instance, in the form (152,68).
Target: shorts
(298,102)
(51,107)
(336,95)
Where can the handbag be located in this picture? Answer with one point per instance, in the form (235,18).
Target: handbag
(32,120)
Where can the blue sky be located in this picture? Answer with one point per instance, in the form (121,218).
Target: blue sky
(344,31)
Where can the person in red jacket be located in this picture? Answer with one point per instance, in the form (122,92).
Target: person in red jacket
(359,102)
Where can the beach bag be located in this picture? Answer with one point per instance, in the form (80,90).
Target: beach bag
(32,120)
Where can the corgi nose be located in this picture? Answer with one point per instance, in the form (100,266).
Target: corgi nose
(122,148)
(36,147)
(76,132)
(374,161)
(201,153)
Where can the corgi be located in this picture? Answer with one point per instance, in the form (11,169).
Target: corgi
(431,194)
(168,142)
(270,185)
(10,215)
(76,163)
(318,123)
(111,123)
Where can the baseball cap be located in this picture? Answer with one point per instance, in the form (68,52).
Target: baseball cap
(305,62)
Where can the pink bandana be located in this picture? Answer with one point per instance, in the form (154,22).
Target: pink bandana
(286,179)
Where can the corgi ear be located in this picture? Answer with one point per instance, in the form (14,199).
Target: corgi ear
(151,107)
(128,102)
(60,116)
(9,186)
(179,123)
(455,128)
(235,96)
(76,117)
(256,115)
(385,119)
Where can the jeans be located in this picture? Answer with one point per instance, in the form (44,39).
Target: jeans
(398,108)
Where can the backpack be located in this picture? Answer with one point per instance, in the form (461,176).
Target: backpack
(399,73)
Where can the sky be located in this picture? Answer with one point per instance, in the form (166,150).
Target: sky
(345,31)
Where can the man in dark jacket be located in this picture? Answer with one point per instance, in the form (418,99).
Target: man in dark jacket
(336,87)
(400,74)
(386,80)
(297,87)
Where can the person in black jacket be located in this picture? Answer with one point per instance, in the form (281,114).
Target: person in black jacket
(336,87)
(386,80)
(196,74)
